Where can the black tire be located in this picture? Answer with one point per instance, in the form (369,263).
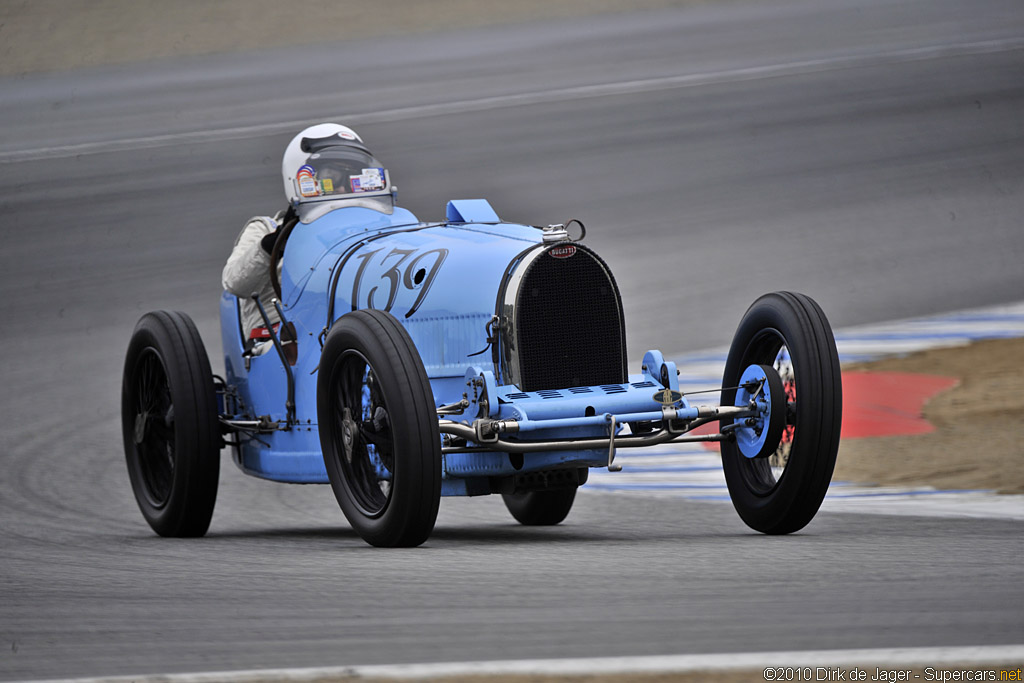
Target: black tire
(782,492)
(389,486)
(540,508)
(170,425)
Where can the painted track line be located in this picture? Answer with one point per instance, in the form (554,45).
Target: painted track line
(642,85)
(667,664)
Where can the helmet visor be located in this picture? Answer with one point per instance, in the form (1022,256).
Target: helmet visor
(339,172)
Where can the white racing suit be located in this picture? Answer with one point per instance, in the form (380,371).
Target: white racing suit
(248,271)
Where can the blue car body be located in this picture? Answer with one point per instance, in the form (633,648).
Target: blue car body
(460,358)
(441,281)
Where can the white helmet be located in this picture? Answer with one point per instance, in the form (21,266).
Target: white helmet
(327,163)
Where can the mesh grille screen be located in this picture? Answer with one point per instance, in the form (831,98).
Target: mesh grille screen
(569,326)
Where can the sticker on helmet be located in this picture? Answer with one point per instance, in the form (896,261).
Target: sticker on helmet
(307,181)
(371,180)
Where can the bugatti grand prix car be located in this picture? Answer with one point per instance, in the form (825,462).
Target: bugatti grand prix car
(461,358)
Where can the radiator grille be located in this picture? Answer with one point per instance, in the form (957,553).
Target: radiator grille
(569,325)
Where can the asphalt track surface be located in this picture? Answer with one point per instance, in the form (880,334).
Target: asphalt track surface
(870,154)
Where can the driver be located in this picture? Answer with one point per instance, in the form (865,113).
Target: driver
(325,167)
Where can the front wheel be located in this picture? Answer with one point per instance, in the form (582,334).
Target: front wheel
(378,429)
(780,492)
(170,425)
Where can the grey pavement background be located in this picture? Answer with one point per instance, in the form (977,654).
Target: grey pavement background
(868,153)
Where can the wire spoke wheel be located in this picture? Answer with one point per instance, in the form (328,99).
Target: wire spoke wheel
(781,492)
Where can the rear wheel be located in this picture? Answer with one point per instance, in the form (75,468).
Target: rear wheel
(780,492)
(379,430)
(170,425)
(540,508)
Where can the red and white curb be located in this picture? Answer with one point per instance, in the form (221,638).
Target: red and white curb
(692,471)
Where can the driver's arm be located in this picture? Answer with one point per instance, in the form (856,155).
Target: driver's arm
(248,267)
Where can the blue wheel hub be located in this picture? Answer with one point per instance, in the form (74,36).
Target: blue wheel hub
(758,436)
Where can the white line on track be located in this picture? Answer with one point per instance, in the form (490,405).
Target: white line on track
(886,658)
(531,98)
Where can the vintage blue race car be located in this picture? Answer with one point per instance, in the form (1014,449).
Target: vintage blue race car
(462,358)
